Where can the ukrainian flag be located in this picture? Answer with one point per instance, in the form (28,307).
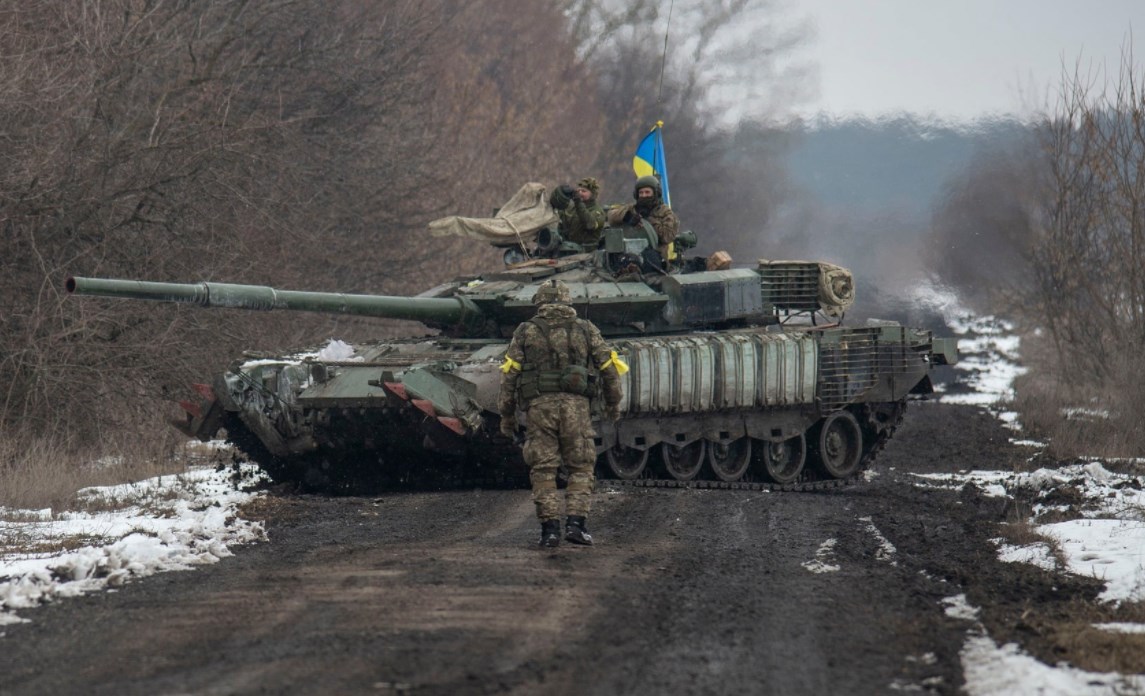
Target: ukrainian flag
(649,158)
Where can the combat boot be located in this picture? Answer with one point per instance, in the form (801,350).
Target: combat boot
(550,534)
(576,532)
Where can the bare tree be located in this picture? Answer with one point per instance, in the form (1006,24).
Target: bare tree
(1089,232)
(298,143)
(713,74)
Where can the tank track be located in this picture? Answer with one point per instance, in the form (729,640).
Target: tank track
(417,478)
(806,484)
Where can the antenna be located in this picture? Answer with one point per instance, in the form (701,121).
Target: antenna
(664,57)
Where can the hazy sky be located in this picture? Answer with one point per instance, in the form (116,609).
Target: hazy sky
(959,59)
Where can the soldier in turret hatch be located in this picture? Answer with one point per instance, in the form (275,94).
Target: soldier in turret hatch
(550,372)
(581,217)
(649,206)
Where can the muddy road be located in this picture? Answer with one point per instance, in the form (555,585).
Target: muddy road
(687,592)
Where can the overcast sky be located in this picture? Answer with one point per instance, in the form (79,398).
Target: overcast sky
(959,59)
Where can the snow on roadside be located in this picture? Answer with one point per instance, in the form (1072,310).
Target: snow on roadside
(993,670)
(1107,541)
(163,523)
(988,351)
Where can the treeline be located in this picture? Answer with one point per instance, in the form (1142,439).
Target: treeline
(305,144)
(1053,232)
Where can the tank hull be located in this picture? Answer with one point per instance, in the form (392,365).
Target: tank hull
(412,410)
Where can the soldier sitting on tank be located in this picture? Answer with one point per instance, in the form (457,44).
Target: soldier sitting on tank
(581,217)
(549,371)
(649,206)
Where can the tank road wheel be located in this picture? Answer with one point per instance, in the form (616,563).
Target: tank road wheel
(729,462)
(839,445)
(683,463)
(626,463)
(782,462)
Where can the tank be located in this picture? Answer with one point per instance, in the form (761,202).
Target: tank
(739,377)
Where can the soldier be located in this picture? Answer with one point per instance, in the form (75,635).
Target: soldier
(581,217)
(549,371)
(649,206)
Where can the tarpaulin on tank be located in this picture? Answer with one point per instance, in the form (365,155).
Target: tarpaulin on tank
(516,222)
(714,372)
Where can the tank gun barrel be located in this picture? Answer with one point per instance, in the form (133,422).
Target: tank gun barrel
(437,311)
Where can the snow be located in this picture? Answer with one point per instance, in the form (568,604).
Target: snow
(160,524)
(989,353)
(824,558)
(1110,550)
(958,608)
(993,670)
(886,551)
(335,350)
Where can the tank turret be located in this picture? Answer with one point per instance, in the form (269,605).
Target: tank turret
(739,376)
(622,287)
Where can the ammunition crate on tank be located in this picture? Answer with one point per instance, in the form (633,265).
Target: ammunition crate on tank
(716,372)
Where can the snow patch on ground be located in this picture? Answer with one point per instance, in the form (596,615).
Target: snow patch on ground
(1038,554)
(993,670)
(1121,627)
(886,551)
(1106,542)
(958,608)
(163,523)
(1110,550)
(824,558)
(988,351)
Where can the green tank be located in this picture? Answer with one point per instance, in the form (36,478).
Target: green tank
(739,377)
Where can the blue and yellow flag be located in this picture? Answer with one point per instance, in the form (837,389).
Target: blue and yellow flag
(649,158)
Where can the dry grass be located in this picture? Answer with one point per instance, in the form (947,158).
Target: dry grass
(45,472)
(1081,418)
(1099,650)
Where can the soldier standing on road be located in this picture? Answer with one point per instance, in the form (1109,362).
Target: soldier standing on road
(549,371)
(581,217)
(649,206)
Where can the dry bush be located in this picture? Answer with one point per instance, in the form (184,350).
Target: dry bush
(1079,419)
(45,471)
(1097,650)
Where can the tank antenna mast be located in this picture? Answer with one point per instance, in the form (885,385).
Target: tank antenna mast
(664,57)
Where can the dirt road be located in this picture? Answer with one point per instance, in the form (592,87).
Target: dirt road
(687,592)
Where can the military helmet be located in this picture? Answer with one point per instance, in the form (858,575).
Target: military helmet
(591,183)
(647,181)
(552,292)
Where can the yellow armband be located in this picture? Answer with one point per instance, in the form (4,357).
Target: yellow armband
(615,361)
(510,364)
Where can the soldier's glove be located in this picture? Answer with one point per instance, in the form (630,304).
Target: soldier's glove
(631,218)
(509,427)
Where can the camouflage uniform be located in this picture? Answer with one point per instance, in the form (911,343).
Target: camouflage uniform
(654,210)
(559,425)
(580,221)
